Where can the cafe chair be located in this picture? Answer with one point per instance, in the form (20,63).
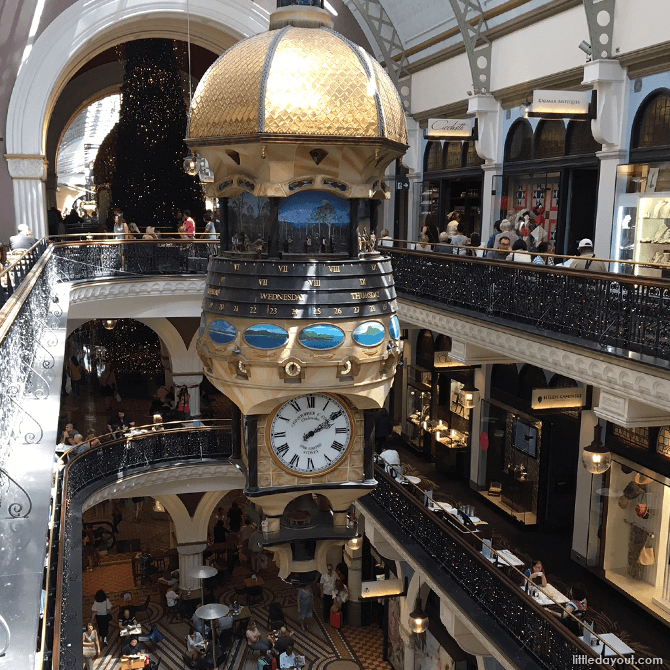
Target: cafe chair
(241,591)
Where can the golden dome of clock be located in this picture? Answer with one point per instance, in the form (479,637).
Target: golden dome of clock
(296,82)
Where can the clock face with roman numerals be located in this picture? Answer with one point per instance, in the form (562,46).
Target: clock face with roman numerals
(310,435)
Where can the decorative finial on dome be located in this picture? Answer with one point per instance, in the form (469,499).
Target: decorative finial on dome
(300,14)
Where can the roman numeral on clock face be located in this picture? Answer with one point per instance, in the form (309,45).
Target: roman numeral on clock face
(311,400)
(341,431)
(310,464)
(294,461)
(283,433)
(295,405)
(281,451)
(337,446)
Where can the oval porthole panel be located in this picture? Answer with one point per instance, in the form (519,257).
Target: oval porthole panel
(265,336)
(394,327)
(221,332)
(321,336)
(369,334)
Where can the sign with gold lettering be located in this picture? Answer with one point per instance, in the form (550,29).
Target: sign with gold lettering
(450,128)
(558,398)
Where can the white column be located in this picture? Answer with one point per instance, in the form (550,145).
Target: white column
(477,456)
(413,159)
(609,161)
(610,82)
(582,524)
(190,556)
(488,112)
(354,560)
(28,175)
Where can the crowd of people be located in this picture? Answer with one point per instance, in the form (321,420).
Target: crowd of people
(521,241)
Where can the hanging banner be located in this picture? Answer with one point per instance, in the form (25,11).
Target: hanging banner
(560,103)
(455,129)
(558,398)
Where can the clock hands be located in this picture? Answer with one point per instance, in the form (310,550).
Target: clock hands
(321,426)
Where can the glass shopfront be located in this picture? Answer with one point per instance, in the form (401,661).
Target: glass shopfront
(629,538)
(438,415)
(641,229)
(529,449)
(452,186)
(550,177)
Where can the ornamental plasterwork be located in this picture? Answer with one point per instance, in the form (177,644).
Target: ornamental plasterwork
(226,475)
(22,167)
(627,379)
(137,287)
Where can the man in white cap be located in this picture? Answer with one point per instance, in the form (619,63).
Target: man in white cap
(586,259)
(23,239)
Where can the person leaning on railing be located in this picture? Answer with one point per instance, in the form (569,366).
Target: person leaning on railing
(586,260)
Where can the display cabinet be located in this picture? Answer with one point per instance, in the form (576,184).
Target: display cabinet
(419,398)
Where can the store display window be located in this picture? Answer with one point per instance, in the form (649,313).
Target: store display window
(512,460)
(641,231)
(630,519)
(419,397)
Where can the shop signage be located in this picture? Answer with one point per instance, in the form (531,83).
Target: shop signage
(457,129)
(560,104)
(558,398)
(402,184)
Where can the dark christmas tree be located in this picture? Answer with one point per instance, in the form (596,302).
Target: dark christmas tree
(149,182)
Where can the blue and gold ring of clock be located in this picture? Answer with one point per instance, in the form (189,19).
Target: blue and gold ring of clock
(297,290)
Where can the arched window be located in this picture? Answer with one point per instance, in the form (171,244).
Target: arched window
(433,157)
(453,155)
(579,139)
(530,377)
(652,122)
(549,139)
(505,378)
(519,144)
(471,155)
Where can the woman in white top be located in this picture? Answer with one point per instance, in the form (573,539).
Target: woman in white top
(423,244)
(519,245)
(91,645)
(101,609)
(340,595)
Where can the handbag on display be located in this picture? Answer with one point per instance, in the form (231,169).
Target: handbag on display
(647,555)
(336,619)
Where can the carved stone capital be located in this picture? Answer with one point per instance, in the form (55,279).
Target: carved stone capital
(27,167)
(190,380)
(487,111)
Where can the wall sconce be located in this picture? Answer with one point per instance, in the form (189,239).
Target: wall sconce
(109,324)
(585,47)
(355,543)
(596,458)
(158,507)
(470,395)
(418,618)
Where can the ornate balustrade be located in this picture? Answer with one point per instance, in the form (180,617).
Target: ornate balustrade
(619,314)
(89,259)
(452,561)
(17,270)
(87,472)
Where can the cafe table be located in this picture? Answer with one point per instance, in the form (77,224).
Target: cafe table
(130,630)
(132,662)
(250,581)
(551,595)
(616,646)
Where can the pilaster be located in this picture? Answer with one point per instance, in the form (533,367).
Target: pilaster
(354,560)
(28,175)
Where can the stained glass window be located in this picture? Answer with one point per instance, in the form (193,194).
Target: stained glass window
(453,155)
(579,139)
(549,139)
(653,127)
(519,142)
(433,157)
(635,437)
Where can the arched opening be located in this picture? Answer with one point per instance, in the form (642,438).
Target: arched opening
(432,157)
(472,158)
(453,157)
(579,140)
(530,377)
(651,127)
(519,143)
(549,139)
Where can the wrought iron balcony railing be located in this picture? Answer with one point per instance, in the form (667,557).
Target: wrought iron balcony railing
(147,448)
(17,270)
(452,560)
(614,313)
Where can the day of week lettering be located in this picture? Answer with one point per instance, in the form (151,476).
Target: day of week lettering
(364,295)
(334,268)
(213,291)
(314,282)
(282,296)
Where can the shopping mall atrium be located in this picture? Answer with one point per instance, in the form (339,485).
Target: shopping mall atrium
(343,317)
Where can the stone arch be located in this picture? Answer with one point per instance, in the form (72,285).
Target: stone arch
(80,32)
